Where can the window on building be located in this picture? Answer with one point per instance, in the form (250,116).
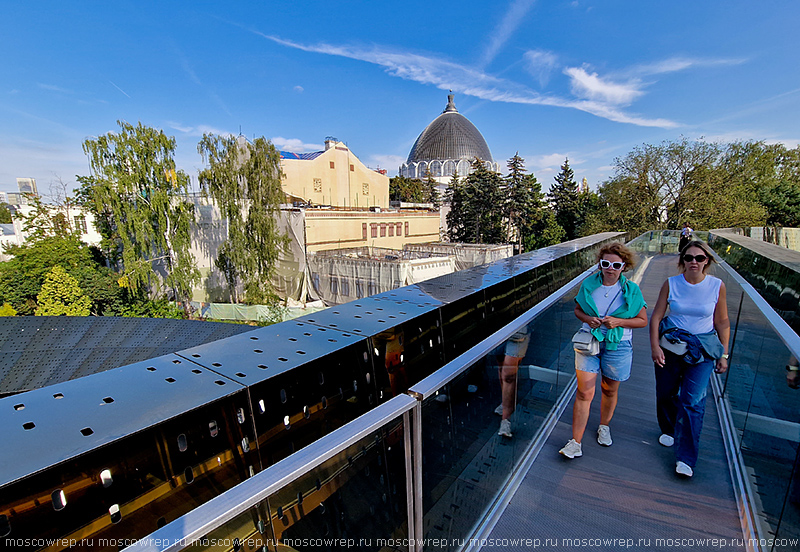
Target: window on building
(372,288)
(374,229)
(406,229)
(383,229)
(318,184)
(364,231)
(352,168)
(335,285)
(399,228)
(332,165)
(359,288)
(315,280)
(80,224)
(365,189)
(345,286)
(391,230)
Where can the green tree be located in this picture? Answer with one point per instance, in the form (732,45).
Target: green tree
(61,295)
(564,197)
(529,221)
(139,201)
(244,179)
(7,310)
(430,192)
(543,230)
(476,202)
(5,214)
(404,189)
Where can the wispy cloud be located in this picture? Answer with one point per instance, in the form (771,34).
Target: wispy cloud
(294,144)
(508,25)
(540,64)
(591,86)
(674,64)
(118,88)
(54,88)
(198,130)
(299,89)
(447,75)
(190,72)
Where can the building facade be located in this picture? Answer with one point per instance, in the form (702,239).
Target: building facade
(333,177)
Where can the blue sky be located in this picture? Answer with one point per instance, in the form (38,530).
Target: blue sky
(587,79)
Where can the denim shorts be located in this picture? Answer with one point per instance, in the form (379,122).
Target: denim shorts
(613,365)
(517,344)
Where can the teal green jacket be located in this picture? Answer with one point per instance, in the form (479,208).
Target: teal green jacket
(633,304)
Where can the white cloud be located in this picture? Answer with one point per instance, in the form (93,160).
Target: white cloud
(508,25)
(299,89)
(540,64)
(674,64)
(389,162)
(295,145)
(447,75)
(551,159)
(198,130)
(590,86)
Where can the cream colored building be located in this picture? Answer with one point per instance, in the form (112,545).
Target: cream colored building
(335,229)
(333,177)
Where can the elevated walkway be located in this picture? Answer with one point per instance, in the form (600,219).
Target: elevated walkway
(626,496)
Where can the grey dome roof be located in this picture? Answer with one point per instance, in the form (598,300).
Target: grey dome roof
(450,136)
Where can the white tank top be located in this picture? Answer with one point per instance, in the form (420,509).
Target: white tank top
(691,306)
(609,299)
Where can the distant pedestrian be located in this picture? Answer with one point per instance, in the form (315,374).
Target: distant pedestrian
(686,236)
(606,291)
(687,345)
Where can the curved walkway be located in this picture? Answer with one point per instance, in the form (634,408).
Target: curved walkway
(627,496)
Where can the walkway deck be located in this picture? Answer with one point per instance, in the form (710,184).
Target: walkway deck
(628,491)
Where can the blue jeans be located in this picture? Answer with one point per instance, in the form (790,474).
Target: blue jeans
(681,403)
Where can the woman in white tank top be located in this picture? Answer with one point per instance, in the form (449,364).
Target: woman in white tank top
(698,317)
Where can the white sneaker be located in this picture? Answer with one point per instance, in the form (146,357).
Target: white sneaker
(604,435)
(572,449)
(683,469)
(505,429)
(666,440)
(499,410)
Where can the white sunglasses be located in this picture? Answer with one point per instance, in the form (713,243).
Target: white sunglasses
(616,265)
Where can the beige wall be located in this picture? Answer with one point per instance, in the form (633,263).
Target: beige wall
(339,229)
(349,183)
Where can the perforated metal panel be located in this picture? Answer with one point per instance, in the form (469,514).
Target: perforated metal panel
(36,351)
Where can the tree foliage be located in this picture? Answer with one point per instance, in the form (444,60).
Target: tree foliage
(565,200)
(62,296)
(707,185)
(476,214)
(5,214)
(138,199)
(244,179)
(414,190)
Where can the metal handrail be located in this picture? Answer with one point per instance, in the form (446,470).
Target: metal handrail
(447,373)
(197,523)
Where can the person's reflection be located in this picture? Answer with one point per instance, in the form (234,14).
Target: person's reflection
(393,360)
(510,355)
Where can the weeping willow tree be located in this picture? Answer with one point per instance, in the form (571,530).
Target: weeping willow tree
(244,179)
(140,205)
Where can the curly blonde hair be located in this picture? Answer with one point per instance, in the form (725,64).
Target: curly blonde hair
(618,249)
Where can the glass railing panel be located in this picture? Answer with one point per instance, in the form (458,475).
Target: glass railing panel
(766,413)
(355,499)
(349,489)
(466,461)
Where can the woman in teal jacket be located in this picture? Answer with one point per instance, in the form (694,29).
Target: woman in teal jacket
(609,305)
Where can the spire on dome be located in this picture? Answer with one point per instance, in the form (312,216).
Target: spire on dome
(451,106)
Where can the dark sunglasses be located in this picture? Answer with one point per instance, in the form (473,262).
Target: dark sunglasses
(698,258)
(616,265)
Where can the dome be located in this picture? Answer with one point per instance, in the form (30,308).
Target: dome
(450,136)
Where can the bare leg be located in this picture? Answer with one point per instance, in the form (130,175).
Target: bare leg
(608,402)
(508,384)
(583,403)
